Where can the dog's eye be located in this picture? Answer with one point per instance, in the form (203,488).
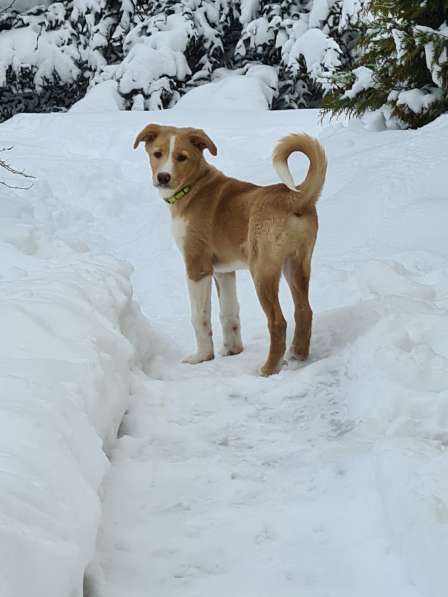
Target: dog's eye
(158,154)
(181,157)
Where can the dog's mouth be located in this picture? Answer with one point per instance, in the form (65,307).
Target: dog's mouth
(163,185)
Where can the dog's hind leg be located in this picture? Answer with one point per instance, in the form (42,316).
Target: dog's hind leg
(297,274)
(266,280)
(200,299)
(229,313)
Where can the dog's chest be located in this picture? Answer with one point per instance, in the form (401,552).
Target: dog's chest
(179,230)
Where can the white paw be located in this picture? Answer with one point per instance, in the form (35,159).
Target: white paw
(194,359)
(228,351)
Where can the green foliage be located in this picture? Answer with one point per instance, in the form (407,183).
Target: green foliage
(405,48)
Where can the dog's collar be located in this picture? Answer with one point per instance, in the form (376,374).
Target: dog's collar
(174,198)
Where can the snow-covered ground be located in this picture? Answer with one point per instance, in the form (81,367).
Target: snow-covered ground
(328,480)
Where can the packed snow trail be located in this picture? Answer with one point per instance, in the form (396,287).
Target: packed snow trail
(328,480)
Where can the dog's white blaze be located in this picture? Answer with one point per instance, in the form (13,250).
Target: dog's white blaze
(168,164)
(179,229)
(284,174)
(225,268)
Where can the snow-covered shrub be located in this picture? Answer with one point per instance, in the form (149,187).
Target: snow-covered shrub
(250,88)
(42,66)
(306,40)
(176,46)
(157,51)
(402,70)
(49,55)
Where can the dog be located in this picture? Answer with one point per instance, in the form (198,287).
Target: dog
(222,224)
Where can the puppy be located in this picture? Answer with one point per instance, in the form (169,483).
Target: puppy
(222,224)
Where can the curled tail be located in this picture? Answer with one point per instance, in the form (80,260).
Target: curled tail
(307,193)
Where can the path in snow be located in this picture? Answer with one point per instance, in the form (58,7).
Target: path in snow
(325,481)
(228,484)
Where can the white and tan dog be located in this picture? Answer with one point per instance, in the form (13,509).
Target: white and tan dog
(222,224)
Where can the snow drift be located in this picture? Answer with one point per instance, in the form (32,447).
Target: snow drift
(69,355)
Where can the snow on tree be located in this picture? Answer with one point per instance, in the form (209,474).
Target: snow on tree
(177,44)
(153,52)
(305,39)
(402,70)
(41,63)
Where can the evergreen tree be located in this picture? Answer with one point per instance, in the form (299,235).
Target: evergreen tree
(43,68)
(53,52)
(153,52)
(305,40)
(172,45)
(403,66)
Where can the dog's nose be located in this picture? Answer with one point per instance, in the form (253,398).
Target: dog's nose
(163,177)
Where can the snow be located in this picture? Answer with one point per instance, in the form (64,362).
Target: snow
(65,378)
(364,79)
(249,9)
(103,97)
(22,5)
(417,100)
(144,65)
(351,11)
(252,91)
(319,12)
(327,479)
(155,57)
(317,50)
(258,32)
(72,346)
(435,66)
(399,38)
(52,53)
(166,32)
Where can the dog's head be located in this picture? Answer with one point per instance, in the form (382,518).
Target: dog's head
(175,155)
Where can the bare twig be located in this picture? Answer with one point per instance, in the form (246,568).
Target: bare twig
(9,168)
(10,5)
(13,186)
(12,170)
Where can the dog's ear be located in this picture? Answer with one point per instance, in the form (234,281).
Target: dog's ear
(147,135)
(202,141)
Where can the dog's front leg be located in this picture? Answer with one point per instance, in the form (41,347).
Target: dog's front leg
(200,300)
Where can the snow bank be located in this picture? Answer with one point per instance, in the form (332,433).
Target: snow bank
(103,97)
(397,353)
(73,342)
(252,91)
